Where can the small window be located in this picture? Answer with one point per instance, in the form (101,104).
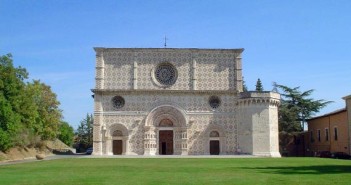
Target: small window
(319,135)
(327,134)
(311,137)
(335,134)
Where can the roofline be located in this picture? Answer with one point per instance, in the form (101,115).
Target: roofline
(329,114)
(128,91)
(193,49)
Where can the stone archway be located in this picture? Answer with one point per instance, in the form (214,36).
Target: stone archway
(165,131)
(215,137)
(117,140)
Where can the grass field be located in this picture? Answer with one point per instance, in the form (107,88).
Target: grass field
(281,171)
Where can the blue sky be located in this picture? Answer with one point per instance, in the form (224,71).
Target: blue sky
(295,43)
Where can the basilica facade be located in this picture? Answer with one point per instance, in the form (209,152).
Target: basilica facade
(172,101)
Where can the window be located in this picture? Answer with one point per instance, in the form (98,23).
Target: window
(166,74)
(214,102)
(311,137)
(327,134)
(335,134)
(118,102)
(319,135)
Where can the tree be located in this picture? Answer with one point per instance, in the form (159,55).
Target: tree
(85,132)
(11,101)
(66,133)
(259,86)
(28,111)
(296,107)
(47,126)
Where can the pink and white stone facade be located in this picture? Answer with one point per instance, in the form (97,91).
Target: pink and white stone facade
(171,89)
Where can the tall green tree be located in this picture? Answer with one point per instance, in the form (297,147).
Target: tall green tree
(296,107)
(47,105)
(11,101)
(28,111)
(85,132)
(259,86)
(66,133)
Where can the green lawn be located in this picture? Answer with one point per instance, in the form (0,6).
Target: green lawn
(281,171)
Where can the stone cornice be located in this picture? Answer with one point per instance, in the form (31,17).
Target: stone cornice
(254,97)
(144,113)
(237,50)
(257,101)
(164,91)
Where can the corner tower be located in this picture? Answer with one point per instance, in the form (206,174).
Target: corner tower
(258,123)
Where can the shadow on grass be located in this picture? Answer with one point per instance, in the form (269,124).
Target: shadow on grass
(308,170)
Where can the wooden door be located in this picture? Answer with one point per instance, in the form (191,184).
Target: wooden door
(165,142)
(117,147)
(214,147)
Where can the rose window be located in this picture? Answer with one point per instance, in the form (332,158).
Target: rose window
(214,102)
(166,74)
(118,102)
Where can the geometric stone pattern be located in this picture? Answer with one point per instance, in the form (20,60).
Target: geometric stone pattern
(192,103)
(245,122)
(215,70)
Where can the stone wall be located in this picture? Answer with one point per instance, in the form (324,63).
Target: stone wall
(211,69)
(200,119)
(348,108)
(150,84)
(258,123)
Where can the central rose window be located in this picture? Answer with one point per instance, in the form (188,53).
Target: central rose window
(166,74)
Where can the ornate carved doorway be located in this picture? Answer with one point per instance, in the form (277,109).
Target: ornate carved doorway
(166,142)
(117,147)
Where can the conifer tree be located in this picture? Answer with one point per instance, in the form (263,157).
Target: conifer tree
(85,132)
(259,86)
(296,107)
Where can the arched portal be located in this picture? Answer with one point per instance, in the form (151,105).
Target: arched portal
(215,144)
(165,131)
(118,139)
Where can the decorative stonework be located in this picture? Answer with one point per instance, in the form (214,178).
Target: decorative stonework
(166,74)
(214,102)
(118,102)
(253,98)
(194,96)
